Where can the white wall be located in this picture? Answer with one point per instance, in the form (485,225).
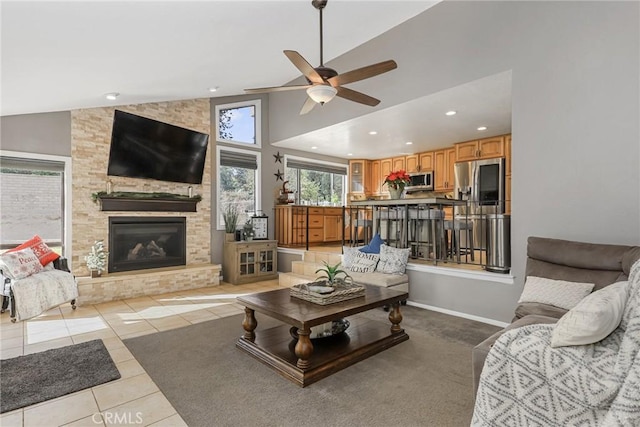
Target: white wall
(575,125)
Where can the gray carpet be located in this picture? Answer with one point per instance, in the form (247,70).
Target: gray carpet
(425,381)
(34,378)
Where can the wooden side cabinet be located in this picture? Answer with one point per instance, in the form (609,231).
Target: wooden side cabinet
(245,262)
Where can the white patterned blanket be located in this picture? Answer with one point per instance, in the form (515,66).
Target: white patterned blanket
(526,382)
(39,292)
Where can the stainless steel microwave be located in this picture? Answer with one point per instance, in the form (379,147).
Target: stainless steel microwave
(420,181)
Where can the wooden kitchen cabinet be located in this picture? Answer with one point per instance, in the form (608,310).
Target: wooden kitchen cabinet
(359,176)
(507,154)
(375,182)
(398,164)
(386,166)
(332,224)
(444,161)
(245,262)
(507,194)
(419,162)
(487,148)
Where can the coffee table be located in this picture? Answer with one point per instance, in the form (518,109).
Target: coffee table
(303,361)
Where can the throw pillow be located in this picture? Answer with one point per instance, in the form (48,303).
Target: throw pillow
(364,263)
(40,248)
(595,317)
(348,253)
(393,260)
(374,245)
(558,293)
(20,264)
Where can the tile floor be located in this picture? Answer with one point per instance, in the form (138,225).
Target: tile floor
(134,399)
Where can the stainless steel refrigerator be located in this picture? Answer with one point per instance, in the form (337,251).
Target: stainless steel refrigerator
(481,184)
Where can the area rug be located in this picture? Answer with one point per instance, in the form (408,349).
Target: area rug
(425,381)
(37,377)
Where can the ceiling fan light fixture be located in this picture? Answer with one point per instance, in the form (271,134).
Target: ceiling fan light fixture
(322,93)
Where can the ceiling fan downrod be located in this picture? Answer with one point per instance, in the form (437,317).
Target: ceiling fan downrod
(320,4)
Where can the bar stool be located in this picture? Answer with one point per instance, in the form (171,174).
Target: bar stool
(364,225)
(391,226)
(456,226)
(431,221)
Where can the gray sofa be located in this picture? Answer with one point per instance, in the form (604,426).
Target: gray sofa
(562,260)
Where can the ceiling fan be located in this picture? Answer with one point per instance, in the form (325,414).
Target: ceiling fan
(325,83)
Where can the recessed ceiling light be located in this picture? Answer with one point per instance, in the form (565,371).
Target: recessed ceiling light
(213,89)
(314,148)
(349,154)
(112,96)
(451,113)
(408,142)
(482,128)
(373,132)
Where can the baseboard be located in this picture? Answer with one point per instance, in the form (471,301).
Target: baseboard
(459,314)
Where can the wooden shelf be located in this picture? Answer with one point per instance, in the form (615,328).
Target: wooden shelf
(155,205)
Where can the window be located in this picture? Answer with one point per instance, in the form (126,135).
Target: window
(239,123)
(238,182)
(33,191)
(316,182)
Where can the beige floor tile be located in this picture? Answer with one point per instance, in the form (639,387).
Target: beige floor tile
(83,311)
(143,411)
(82,325)
(62,410)
(120,354)
(112,343)
(41,325)
(103,334)
(124,390)
(167,323)
(10,353)
(7,343)
(94,420)
(11,330)
(47,345)
(113,306)
(35,338)
(227,310)
(12,419)
(199,316)
(173,421)
(130,368)
(131,327)
(138,334)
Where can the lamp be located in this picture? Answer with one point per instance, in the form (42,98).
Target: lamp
(322,93)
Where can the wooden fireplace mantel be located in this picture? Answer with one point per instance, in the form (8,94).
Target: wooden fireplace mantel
(146,202)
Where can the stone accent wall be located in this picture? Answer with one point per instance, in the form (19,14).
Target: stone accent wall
(122,286)
(90,143)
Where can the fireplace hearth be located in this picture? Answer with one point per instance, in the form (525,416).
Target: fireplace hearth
(139,243)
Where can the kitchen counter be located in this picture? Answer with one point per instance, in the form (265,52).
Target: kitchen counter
(441,201)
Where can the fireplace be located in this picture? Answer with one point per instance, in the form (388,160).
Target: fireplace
(139,243)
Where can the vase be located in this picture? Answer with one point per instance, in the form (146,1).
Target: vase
(229,237)
(96,273)
(395,193)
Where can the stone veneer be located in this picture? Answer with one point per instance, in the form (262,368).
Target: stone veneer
(90,143)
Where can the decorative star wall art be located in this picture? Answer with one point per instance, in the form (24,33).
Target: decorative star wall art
(278,176)
(278,157)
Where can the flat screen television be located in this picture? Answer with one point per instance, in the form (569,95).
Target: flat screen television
(146,148)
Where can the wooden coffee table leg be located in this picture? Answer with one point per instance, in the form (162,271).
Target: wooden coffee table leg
(304,348)
(249,324)
(395,317)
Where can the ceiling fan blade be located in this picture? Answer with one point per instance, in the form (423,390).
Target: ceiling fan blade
(363,73)
(276,89)
(356,96)
(307,106)
(304,67)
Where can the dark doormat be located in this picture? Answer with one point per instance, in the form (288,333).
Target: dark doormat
(37,377)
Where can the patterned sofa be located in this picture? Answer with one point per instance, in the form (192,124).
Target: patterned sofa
(525,380)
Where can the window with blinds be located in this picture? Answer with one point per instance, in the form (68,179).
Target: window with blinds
(32,201)
(238,183)
(316,182)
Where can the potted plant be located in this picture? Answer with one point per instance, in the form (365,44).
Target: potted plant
(247,230)
(396,181)
(331,272)
(230,216)
(97,258)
